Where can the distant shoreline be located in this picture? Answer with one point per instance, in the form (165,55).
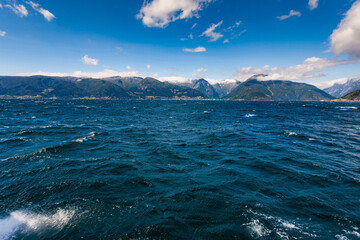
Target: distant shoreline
(170,99)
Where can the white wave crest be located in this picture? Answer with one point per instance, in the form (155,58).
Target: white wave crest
(346,108)
(26,220)
(288,133)
(250,115)
(87,137)
(257,229)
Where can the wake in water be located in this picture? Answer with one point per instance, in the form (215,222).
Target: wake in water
(23,221)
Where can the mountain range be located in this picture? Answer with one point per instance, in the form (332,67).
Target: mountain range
(113,88)
(339,90)
(150,88)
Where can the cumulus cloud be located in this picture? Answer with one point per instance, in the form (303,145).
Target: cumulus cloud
(345,39)
(210,32)
(199,73)
(128,67)
(2,34)
(291,14)
(313,4)
(90,61)
(103,74)
(159,13)
(310,68)
(18,9)
(195,50)
(148,66)
(47,15)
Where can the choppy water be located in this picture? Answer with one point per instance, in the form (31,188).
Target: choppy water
(179,170)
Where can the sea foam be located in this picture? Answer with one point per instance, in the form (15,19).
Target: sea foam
(26,220)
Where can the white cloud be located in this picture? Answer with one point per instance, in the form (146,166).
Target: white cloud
(210,32)
(323,85)
(310,68)
(174,79)
(179,79)
(199,73)
(291,14)
(190,37)
(234,31)
(47,15)
(148,66)
(128,67)
(90,61)
(233,27)
(2,34)
(313,4)
(193,26)
(103,74)
(1,5)
(195,50)
(345,39)
(18,9)
(159,13)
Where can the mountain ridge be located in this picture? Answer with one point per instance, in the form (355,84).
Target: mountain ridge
(115,88)
(277,90)
(151,88)
(339,90)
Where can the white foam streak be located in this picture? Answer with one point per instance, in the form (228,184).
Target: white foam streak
(24,220)
(346,107)
(90,135)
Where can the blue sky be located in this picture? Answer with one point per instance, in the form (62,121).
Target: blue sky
(181,39)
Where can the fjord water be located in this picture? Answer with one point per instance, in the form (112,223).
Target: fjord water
(104,169)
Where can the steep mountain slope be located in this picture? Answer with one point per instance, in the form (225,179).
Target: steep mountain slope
(353,96)
(340,90)
(202,86)
(206,88)
(225,88)
(254,90)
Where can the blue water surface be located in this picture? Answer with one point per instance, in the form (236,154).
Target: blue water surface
(106,169)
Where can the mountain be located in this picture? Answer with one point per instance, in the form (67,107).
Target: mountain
(114,88)
(202,86)
(206,88)
(59,87)
(216,91)
(353,96)
(225,88)
(255,90)
(339,90)
(153,88)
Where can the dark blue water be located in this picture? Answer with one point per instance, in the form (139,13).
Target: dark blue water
(97,169)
